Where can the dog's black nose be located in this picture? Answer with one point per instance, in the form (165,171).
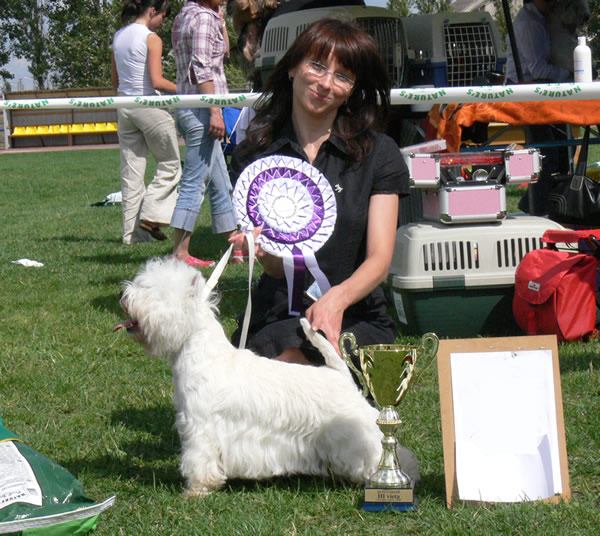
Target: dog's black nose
(121,295)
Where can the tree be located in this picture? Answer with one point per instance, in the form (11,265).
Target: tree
(434,6)
(402,7)
(80,37)
(24,23)
(4,59)
(500,19)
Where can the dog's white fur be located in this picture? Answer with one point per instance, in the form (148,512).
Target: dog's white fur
(240,415)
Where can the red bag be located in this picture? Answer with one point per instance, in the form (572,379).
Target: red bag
(555,291)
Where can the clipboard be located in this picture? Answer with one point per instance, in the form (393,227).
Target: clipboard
(480,348)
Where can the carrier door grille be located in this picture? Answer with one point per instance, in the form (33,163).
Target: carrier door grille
(275,40)
(450,256)
(300,28)
(510,251)
(389,36)
(470,53)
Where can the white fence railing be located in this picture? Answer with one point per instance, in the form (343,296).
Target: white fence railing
(448,95)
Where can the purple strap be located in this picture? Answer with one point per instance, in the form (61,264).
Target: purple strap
(298,282)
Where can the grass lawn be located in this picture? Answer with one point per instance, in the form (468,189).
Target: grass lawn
(93,401)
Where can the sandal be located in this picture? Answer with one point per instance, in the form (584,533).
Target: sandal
(154,231)
(198,263)
(237,257)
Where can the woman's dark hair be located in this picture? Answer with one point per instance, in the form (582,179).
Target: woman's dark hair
(359,116)
(134,8)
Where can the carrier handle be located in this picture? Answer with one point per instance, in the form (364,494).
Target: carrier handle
(555,236)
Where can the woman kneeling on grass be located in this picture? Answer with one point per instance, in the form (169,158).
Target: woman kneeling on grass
(331,79)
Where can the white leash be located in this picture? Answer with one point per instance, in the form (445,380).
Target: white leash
(212,281)
(246,322)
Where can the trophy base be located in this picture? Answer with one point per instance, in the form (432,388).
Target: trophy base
(385,499)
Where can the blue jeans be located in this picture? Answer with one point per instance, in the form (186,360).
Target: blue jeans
(204,169)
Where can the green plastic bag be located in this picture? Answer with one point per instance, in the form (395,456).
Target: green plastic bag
(39,497)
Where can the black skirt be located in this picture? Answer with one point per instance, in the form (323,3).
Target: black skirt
(272,330)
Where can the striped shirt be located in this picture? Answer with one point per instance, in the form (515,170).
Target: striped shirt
(199,47)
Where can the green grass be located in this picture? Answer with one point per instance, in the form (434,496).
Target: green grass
(93,401)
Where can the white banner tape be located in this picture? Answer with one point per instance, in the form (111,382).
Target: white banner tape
(447,95)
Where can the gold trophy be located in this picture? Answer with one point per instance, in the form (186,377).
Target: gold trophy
(387,370)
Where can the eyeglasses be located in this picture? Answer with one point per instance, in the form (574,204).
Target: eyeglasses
(319,70)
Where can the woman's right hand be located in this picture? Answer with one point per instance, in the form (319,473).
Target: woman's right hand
(271,264)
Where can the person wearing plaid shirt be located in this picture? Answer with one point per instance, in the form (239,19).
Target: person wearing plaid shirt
(200,45)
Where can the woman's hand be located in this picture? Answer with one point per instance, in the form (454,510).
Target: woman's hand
(271,264)
(326,314)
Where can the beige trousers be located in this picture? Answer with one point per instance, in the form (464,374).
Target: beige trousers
(143,130)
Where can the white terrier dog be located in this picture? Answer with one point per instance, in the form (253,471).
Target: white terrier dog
(240,415)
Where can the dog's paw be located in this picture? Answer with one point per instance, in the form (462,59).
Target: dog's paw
(197,491)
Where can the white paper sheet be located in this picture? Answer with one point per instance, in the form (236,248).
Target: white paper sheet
(505,426)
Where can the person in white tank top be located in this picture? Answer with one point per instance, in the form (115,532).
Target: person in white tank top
(137,70)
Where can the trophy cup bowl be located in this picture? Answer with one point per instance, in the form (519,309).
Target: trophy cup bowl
(387,371)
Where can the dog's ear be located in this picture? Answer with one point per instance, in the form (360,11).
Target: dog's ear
(201,291)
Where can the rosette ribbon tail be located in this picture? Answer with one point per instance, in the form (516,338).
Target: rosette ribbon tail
(313,267)
(295,265)
(295,269)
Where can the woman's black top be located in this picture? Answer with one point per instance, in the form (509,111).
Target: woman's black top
(383,171)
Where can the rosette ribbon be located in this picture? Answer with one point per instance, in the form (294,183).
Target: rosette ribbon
(295,205)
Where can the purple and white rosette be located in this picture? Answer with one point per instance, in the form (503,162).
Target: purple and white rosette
(296,207)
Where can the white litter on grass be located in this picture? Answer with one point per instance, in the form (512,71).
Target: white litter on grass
(115,198)
(28,262)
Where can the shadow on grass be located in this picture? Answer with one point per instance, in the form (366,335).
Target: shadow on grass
(155,461)
(293,484)
(109,303)
(432,486)
(582,361)
(131,467)
(137,257)
(147,460)
(82,238)
(157,420)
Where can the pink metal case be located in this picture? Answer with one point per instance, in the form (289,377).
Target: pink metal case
(465,204)
(522,166)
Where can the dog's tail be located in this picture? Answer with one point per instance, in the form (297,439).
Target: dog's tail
(332,359)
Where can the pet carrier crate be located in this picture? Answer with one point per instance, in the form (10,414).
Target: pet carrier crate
(384,25)
(459,281)
(453,49)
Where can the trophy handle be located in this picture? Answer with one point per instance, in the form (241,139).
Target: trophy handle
(430,344)
(428,349)
(347,336)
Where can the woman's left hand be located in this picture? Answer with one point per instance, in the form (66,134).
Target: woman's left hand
(326,315)
(327,312)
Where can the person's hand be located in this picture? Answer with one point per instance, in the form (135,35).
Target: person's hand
(271,264)
(216,128)
(240,242)
(326,315)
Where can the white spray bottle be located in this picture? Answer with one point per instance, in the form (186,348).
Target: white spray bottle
(582,61)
